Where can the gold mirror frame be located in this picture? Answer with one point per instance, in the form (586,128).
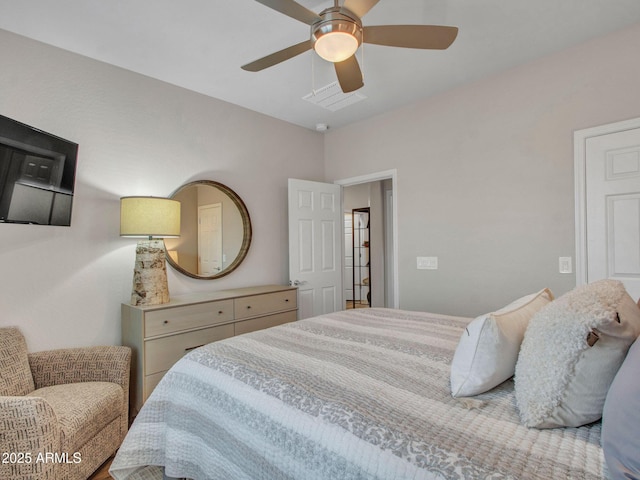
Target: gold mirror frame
(246,231)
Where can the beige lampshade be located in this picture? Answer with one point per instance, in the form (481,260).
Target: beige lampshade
(149,217)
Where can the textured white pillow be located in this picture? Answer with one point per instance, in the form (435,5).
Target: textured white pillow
(488,349)
(560,379)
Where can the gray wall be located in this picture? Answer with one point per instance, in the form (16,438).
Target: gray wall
(485,173)
(63,285)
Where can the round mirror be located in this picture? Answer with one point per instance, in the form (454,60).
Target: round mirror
(215,231)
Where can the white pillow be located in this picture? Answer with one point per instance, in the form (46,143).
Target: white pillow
(488,349)
(571,352)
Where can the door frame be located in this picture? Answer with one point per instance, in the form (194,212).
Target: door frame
(374,177)
(580,138)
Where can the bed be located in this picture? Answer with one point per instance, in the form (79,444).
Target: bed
(358,394)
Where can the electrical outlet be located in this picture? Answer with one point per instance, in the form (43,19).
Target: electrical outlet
(565,265)
(427,263)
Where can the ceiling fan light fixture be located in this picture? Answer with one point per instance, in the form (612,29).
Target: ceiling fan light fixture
(336,46)
(337,37)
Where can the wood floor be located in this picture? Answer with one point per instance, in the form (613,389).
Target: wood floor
(103,472)
(351,304)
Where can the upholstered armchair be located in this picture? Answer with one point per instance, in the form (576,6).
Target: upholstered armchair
(62,412)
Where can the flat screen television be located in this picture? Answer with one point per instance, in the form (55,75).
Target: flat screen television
(37,175)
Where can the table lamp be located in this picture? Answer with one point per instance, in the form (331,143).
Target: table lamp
(153,218)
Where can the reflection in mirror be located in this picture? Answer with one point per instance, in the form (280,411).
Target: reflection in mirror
(215,231)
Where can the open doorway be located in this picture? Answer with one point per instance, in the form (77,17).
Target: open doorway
(370,263)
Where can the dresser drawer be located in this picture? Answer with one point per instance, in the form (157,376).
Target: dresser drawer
(161,353)
(254,305)
(175,319)
(268,321)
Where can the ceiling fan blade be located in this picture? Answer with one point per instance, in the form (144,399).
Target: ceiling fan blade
(277,57)
(292,9)
(434,37)
(349,74)
(360,7)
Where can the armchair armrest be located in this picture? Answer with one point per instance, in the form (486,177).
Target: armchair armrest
(74,365)
(28,427)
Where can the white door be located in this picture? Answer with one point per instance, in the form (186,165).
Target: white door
(315,246)
(612,187)
(209,239)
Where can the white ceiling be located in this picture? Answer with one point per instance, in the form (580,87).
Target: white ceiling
(201,44)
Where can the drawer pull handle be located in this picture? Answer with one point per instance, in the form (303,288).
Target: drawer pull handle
(248,306)
(286,299)
(188,349)
(166,322)
(220,312)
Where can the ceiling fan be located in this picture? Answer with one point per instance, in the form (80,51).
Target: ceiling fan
(337,33)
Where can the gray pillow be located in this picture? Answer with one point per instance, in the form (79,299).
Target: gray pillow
(621,420)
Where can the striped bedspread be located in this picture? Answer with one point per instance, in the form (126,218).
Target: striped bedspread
(359,394)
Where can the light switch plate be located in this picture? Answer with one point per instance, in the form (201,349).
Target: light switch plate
(564,264)
(427,263)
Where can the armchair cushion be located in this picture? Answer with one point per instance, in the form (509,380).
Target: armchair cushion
(83,409)
(15,373)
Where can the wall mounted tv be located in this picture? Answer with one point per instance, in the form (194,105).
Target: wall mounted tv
(37,175)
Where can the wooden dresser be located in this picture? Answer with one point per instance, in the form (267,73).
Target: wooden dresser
(160,335)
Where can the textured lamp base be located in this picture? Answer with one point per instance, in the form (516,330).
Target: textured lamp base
(150,274)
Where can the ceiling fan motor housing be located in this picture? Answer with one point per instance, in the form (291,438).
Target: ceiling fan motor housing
(337,20)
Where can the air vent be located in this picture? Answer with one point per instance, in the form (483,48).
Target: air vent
(332,97)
